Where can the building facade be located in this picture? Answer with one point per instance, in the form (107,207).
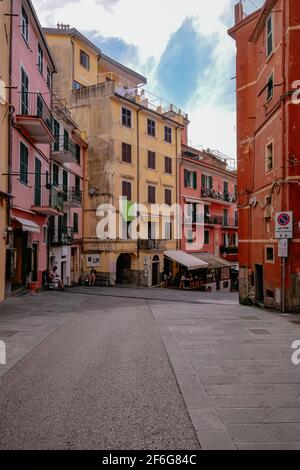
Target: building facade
(5,10)
(34,200)
(134,149)
(268,117)
(66,232)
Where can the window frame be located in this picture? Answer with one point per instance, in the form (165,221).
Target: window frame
(151,127)
(84,54)
(267,168)
(126,153)
(267,260)
(126,117)
(40,63)
(168,165)
(270,90)
(151,196)
(168,199)
(128,190)
(24,24)
(269,34)
(168,135)
(75,222)
(151,160)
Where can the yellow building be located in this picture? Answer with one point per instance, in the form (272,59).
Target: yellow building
(134,148)
(5,9)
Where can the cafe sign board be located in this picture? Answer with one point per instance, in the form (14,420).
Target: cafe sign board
(284,225)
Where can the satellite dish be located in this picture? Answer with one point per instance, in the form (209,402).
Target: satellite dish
(2,92)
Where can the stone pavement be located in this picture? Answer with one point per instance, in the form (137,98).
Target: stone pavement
(233,365)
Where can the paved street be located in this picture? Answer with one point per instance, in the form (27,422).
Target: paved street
(147,369)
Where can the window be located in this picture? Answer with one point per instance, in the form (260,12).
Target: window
(152,229)
(225,188)
(151,160)
(269,157)
(24,92)
(25,25)
(78,152)
(206,237)
(151,194)
(40,59)
(77,185)
(56,133)
(270,87)
(55,175)
(151,127)
(168,231)
(126,117)
(207,182)
(126,190)
(65,184)
(126,153)
(225,217)
(190,179)
(168,197)
(75,222)
(84,59)
(77,86)
(48,78)
(168,165)
(269,35)
(168,134)
(190,237)
(45,234)
(270,254)
(66,139)
(23,164)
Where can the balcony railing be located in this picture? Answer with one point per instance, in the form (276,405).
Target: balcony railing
(72,197)
(148,245)
(64,150)
(218,196)
(229,250)
(60,234)
(35,117)
(47,200)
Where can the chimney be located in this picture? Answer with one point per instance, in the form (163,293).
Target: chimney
(238,12)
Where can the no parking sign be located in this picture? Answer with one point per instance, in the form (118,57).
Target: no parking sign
(284,225)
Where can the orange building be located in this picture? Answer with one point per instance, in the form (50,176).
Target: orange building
(268,146)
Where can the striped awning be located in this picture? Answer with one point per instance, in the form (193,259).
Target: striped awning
(28,225)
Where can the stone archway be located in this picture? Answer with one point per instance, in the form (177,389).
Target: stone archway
(125,274)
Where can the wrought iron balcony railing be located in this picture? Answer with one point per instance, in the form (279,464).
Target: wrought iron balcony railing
(47,200)
(60,234)
(212,194)
(35,117)
(64,150)
(72,197)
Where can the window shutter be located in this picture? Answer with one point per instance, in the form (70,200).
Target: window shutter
(194,180)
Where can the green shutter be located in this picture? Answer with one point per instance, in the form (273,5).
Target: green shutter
(203,181)
(194,180)
(210,182)
(23,163)
(37,186)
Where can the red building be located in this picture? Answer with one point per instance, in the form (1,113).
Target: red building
(268,145)
(206,181)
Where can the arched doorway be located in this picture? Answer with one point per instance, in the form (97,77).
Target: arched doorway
(155,271)
(124,272)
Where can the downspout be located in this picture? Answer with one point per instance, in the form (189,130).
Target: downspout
(138,186)
(284,195)
(9,153)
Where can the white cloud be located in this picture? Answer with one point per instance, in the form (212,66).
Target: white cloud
(149,26)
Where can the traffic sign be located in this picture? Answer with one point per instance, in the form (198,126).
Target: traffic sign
(283,248)
(284,225)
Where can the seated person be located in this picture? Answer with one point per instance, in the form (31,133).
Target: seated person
(54,277)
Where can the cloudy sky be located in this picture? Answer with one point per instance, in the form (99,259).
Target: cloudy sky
(182,48)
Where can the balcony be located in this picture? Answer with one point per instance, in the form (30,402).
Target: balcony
(64,150)
(213,219)
(148,245)
(230,222)
(60,234)
(215,196)
(35,118)
(72,197)
(48,201)
(229,250)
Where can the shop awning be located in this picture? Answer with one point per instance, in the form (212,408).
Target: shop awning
(213,262)
(186,260)
(27,225)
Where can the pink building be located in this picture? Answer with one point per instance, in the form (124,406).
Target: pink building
(65,234)
(34,200)
(206,181)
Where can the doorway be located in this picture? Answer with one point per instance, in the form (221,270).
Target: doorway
(124,273)
(155,271)
(259,283)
